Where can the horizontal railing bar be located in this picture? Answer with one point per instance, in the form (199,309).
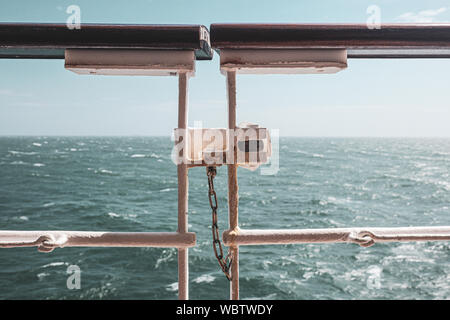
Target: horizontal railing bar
(48,41)
(48,240)
(360,36)
(361,236)
(361,40)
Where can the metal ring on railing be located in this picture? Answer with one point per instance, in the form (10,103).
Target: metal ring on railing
(363,238)
(44,243)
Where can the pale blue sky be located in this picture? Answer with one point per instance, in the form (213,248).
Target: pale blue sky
(370,98)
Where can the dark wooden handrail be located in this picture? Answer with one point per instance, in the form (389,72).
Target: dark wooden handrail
(39,40)
(390,41)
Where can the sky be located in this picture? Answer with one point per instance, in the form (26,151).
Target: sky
(371,98)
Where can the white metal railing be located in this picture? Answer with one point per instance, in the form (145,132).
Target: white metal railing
(363,236)
(234,237)
(183,187)
(263,62)
(48,240)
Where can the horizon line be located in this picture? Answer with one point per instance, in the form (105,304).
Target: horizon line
(169,136)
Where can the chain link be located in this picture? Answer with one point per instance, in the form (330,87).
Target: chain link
(224,262)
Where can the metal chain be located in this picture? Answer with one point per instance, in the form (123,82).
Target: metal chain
(225,263)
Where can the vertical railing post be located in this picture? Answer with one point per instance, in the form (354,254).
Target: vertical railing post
(233,197)
(183,184)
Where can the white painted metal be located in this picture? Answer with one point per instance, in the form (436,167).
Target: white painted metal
(362,236)
(283,61)
(130,62)
(233,196)
(183,187)
(209,146)
(61,239)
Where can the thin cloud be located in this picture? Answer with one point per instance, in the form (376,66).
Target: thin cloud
(6,92)
(424,16)
(12,93)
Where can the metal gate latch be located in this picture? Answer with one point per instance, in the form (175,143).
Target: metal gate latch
(248,146)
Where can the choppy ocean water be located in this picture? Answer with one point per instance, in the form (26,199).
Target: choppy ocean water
(130,184)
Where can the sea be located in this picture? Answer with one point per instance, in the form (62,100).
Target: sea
(130,184)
